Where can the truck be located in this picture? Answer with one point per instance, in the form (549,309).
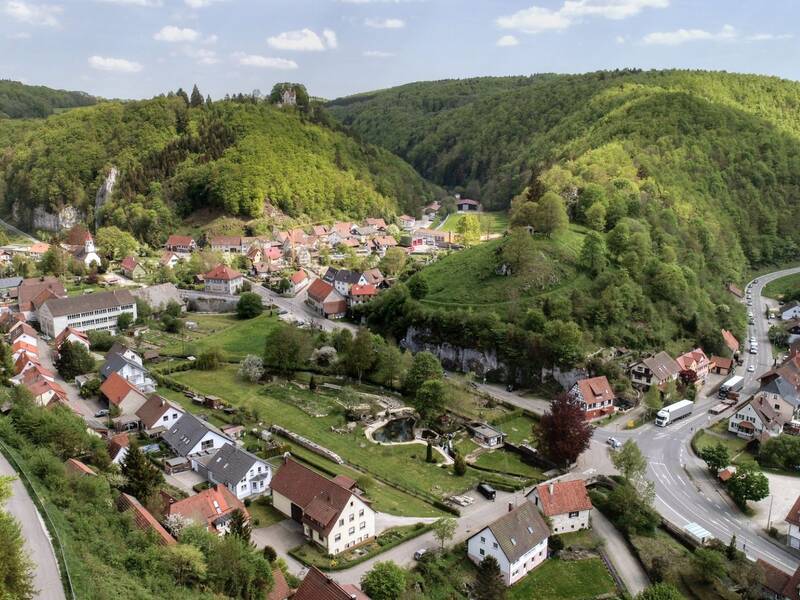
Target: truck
(732,384)
(673,412)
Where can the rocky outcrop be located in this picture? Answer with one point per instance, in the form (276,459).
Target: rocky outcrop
(454,358)
(66,218)
(104,193)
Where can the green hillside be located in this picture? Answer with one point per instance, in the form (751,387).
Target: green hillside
(19,101)
(682,180)
(236,158)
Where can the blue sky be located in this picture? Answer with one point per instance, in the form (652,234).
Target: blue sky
(139,48)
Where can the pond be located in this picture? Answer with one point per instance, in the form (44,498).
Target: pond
(396,430)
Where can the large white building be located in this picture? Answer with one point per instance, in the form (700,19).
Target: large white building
(244,474)
(517,541)
(86,313)
(332,512)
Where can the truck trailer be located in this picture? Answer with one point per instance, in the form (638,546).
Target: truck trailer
(673,412)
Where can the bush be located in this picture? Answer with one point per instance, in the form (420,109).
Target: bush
(101,341)
(249,306)
(210,359)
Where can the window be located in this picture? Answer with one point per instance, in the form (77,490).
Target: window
(573,514)
(483,540)
(351,531)
(341,522)
(363,525)
(494,545)
(482,551)
(206,444)
(352,518)
(361,513)
(337,537)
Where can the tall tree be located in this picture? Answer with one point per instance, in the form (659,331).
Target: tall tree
(716,457)
(181,93)
(593,256)
(564,434)
(286,348)
(249,305)
(430,399)
(469,230)
(424,367)
(196,99)
(748,484)
(141,476)
(630,461)
(444,529)
(73,360)
(361,357)
(385,581)
(551,214)
(489,584)
(240,525)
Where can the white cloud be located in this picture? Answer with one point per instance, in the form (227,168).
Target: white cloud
(200,3)
(537,19)
(146,3)
(119,65)
(21,35)
(211,39)
(379,1)
(33,14)
(264,62)
(683,36)
(385,23)
(170,33)
(378,54)
(620,39)
(507,41)
(303,40)
(203,56)
(767,37)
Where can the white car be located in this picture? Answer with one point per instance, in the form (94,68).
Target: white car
(614,442)
(751,369)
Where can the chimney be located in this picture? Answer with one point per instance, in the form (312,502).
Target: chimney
(550,488)
(510,506)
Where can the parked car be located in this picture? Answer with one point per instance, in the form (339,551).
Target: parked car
(487,491)
(751,369)
(420,553)
(103,412)
(614,443)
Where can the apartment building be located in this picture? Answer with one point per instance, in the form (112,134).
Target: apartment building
(86,313)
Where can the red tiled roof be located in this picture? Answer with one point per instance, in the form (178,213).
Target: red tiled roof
(693,358)
(567,496)
(299,277)
(273,253)
(129,263)
(319,290)
(39,248)
(144,520)
(179,240)
(775,580)
(116,388)
(222,272)
(730,341)
(117,443)
(22,329)
(595,389)
(67,332)
(794,513)
(25,346)
(321,499)
(319,586)
(23,360)
(226,240)
(75,466)
(722,363)
(207,506)
(363,290)
(31,288)
(725,475)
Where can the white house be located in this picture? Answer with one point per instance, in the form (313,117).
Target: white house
(126,363)
(244,474)
(190,436)
(122,394)
(86,313)
(224,280)
(158,414)
(343,279)
(793,519)
(565,503)
(24,334)
(755,419)
(85,252)
(790,311)
(333,513)
(73,336)
(517,540)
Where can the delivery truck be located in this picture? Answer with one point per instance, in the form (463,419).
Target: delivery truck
(673,412)
(731,385)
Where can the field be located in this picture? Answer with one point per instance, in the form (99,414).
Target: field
(455,279)
(518,429)
(508,462)
(401,465)
(492,223)
(779,288)
(559,579)
(235,338)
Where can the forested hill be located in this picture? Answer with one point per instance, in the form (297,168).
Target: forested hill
(237,157)
(18,101)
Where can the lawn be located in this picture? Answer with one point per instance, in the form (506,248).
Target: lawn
(491,222)
(402,465)
(465,402)
(518,429)
(735,445)
(508,462)
(561,579)
(779,288)
(234,337)
(263,514)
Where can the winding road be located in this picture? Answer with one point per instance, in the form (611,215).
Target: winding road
(685,493)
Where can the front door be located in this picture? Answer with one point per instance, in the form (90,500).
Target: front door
(297,513)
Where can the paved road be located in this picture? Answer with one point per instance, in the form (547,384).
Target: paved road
(82,406)
(47,578)
(296,306)
(685,492)
(619,553)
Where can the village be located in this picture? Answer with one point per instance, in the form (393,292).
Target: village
(335,474)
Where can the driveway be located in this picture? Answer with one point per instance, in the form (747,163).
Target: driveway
(82,406)
(47,578)
(283,536)
(184,481)
(619,553)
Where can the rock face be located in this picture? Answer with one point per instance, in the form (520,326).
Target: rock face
(66,218)
(104,193)
(454,358)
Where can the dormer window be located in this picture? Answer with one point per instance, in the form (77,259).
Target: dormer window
(513,542)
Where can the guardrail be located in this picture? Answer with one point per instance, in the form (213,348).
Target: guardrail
(58,546)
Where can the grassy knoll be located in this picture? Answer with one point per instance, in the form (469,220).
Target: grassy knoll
(455,279)
(779,288)
(518,429)
(560,579)
(491,222)
(402,465)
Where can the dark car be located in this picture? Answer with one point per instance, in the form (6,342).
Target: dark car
(487,491)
